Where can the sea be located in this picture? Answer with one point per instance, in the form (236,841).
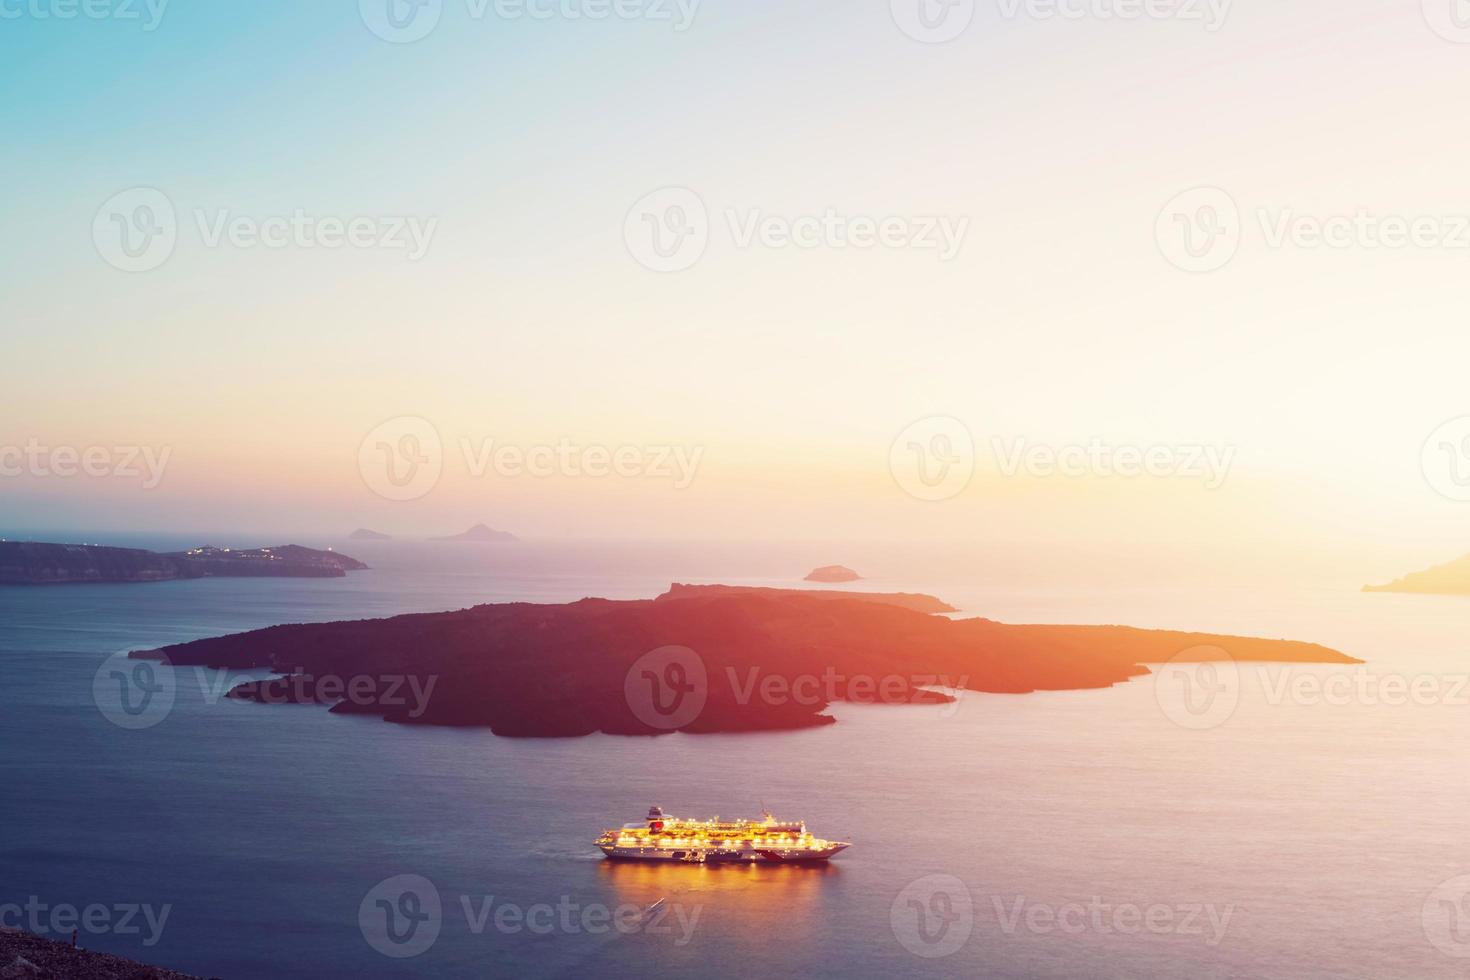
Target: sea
(1235,820)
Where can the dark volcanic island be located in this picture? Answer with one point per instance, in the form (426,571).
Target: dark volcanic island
(38,563)
(597,665)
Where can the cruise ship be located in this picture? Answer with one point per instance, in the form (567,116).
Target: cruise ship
(662,837)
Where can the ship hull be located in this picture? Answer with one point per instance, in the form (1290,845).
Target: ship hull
(754,855)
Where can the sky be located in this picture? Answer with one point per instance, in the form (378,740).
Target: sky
(855,270)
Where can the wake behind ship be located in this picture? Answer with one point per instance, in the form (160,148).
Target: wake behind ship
(667,838)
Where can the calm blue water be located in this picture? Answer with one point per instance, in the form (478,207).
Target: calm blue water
(1314,831)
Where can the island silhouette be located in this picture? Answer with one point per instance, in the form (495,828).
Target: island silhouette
(480,532)
(832,573)
(45,563)
(1451,578)
(533,670)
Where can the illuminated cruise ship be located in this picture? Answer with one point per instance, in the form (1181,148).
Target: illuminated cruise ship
(667,838)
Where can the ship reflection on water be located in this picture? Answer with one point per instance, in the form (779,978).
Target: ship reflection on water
(766,899)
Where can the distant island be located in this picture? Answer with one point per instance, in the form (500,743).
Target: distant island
(832,573)
(915,601)
(1451,578)
(41,563)
(533,670)
(30,957)
(480,532)
(367,534)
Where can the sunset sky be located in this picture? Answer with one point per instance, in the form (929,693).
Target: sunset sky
(530,320)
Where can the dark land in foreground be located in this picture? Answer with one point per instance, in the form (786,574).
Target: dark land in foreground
(29,957)
(42,563)
(532,670)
